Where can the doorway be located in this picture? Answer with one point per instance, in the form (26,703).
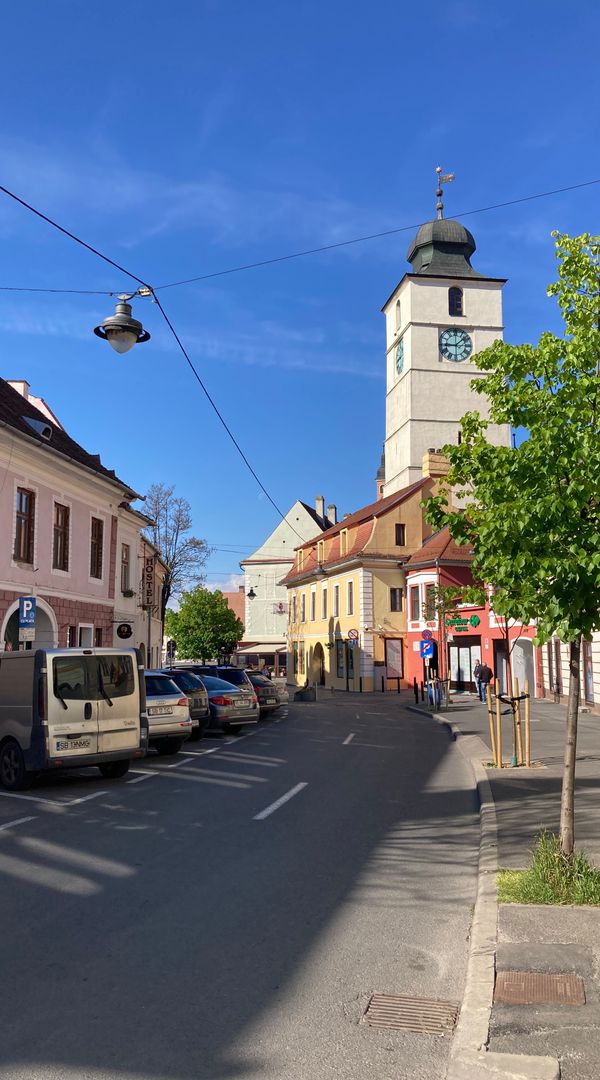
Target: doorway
(318,665)
(463,655)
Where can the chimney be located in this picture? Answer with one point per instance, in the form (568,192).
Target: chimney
(332,513)
(434,463)
(21,386)
(320,505)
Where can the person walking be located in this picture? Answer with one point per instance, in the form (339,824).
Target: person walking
(485,677)
(477,677)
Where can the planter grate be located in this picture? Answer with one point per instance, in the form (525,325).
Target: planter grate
(419,1015)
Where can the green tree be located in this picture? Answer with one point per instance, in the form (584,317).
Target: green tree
(532,514)
(205,627)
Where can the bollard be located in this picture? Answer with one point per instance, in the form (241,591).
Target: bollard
(422,691)
(416,691)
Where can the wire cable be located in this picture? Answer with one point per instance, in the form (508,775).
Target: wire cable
(265,262)
(370,236)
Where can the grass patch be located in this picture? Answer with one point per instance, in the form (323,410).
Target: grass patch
(551,879)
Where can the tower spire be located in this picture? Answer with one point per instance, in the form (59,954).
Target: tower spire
(442,178)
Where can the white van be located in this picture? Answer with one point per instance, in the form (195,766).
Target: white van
(68,708)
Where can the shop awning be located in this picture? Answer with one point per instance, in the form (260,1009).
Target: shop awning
(263,648)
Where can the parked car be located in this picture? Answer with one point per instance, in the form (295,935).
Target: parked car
(237,676)
(266,692)
(193,687)
(68,708)
(230,706)
(169,720)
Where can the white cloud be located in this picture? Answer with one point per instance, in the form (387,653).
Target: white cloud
(227,584)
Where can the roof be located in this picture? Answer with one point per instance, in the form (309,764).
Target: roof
(322,522)
(440,548)
(362,520)
(442,246)
(13,407)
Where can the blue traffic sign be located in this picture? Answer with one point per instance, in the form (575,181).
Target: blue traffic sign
(426,648)
(26,612)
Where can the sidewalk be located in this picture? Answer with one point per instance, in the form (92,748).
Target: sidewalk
(554,940)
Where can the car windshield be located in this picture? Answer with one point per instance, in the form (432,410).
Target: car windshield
(233,675)
(259,680)
(218,684)
(161,686)
(186,681)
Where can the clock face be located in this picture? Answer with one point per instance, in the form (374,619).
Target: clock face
(400,357)
(455,344)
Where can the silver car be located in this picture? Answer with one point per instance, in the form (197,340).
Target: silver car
(230,707)
(169,721)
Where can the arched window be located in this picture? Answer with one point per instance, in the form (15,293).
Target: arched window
(455,301)
(398,315)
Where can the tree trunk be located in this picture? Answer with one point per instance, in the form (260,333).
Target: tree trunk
(567,802)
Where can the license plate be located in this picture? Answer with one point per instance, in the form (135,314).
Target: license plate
(160,710)
(271,701)
(241,705)
(73,744)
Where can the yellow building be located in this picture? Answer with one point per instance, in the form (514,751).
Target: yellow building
(347,595)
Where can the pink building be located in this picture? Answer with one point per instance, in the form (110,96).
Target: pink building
(68,534)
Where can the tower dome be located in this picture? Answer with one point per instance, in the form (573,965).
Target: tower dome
(443,248)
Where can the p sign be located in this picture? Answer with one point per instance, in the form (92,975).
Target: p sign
(426,650)
(27,605)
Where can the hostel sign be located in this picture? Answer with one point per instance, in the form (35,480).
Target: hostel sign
(148,582)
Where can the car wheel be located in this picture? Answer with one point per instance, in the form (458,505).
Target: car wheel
(165,747)
(13,774)
(114,770)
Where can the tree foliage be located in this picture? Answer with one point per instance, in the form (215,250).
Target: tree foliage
(184,555)
(532,514)
(205,627)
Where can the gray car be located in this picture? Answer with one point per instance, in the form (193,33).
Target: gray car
(193,687)
(169,720)
(230,707)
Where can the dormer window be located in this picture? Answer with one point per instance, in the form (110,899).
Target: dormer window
(320,551)
(344,542)
(455,301)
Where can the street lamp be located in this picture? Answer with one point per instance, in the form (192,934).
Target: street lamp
(121,330)
(251,594)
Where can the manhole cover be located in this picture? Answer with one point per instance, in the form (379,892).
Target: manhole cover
(419,1015)
(537,988)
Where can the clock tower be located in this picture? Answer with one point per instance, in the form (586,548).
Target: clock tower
(440,314)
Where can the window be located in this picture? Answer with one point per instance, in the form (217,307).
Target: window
(415,612)
(350,598)
(336,601)
(455,301)
(294,609)
(398,315)
(313,606)
(344,542)
(324,602)
(339,652)
(125,567)
(430,612)
(60,540)
(96,548)
(98,637)
(395,599)
(116,675)
(400,535)
(301,658)
(550,666)
(71,637)
(303,608)
(320,551)
(300,559)
(25,526)
(295,657)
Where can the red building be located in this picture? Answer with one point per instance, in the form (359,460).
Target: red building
(472,632)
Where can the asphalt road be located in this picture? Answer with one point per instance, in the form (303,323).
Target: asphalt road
(185,922)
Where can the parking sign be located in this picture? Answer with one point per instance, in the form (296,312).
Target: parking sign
(27,607)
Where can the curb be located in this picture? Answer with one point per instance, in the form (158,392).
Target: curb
(469,1056)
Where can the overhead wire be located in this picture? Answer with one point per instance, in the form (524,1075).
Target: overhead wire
(264,262)
(129,273)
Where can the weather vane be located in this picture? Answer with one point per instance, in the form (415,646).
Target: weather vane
(442,178)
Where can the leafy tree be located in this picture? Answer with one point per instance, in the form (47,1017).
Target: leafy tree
(532,514)
(205,626)
(184,556)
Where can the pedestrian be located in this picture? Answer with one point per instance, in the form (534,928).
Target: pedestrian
(485,677)
(477,677)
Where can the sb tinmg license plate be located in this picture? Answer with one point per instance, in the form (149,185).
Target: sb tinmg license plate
(72,744)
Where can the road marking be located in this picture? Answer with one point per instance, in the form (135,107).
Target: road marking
(18,821)
(176,764)
(142,776)
(85,798)
(31,798)
(280,802)
(349,739)
(201,753)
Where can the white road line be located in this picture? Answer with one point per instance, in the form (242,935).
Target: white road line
(349,739)
(201,753)
(176,764)
(275,806)
(142,776)
(85,798)
(18,821)
(31,798)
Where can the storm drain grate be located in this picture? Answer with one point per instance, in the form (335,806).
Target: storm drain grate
(537,988)
(419,1015)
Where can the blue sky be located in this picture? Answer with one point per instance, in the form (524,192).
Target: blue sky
(187,138)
